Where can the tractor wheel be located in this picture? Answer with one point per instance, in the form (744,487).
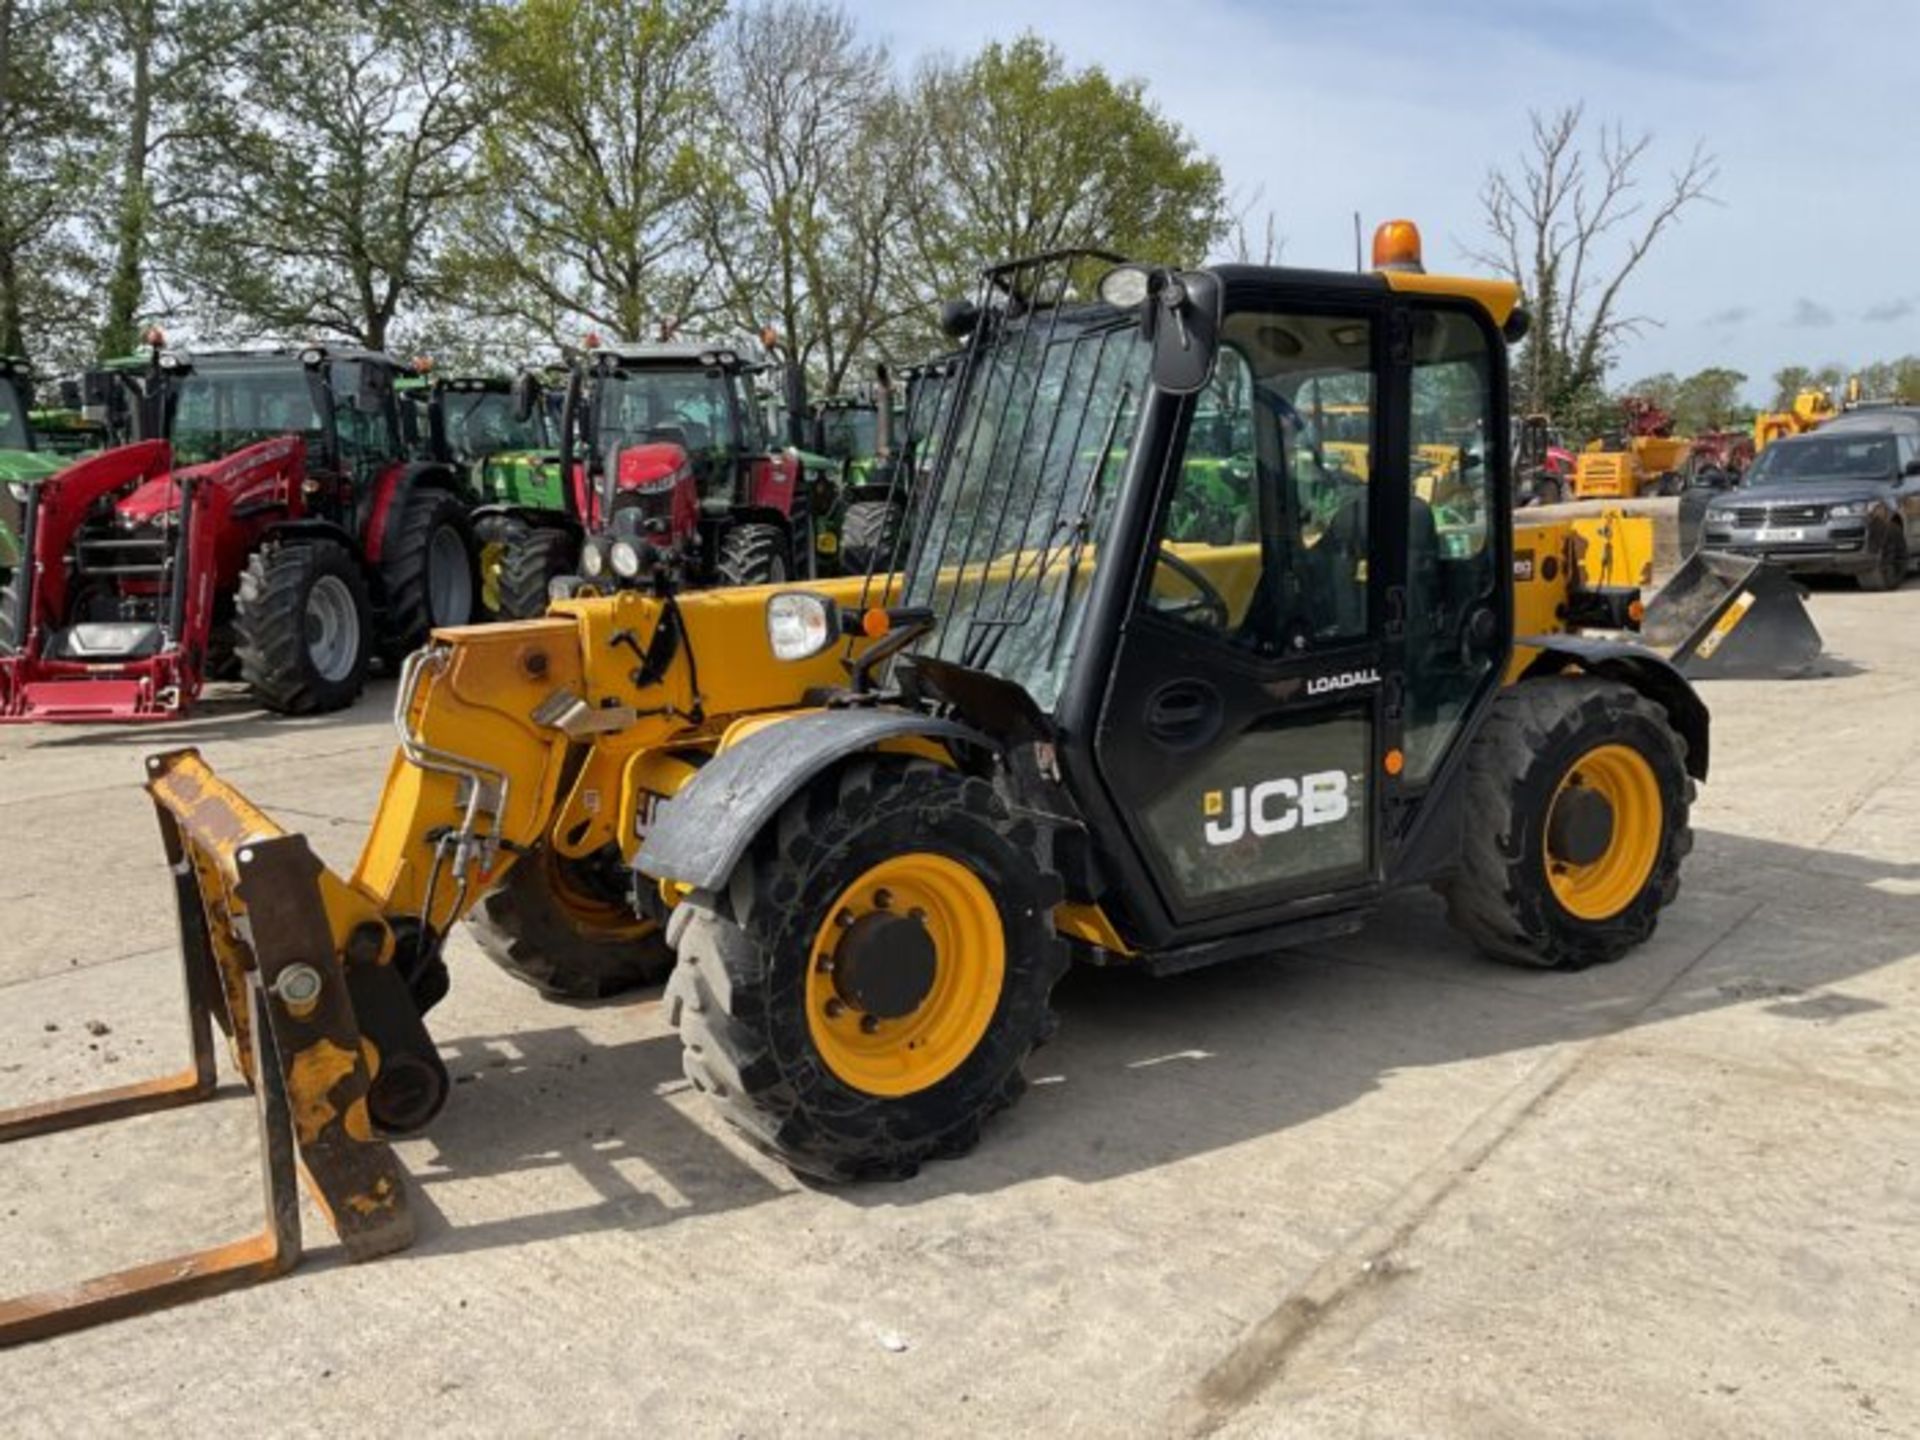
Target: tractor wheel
(428,573)
(869,536)
(754,555)
(494,536)
(862,995)
(301,623)
(1577,800)
(1891,572)
(534,558)
(13,610)
(549,925)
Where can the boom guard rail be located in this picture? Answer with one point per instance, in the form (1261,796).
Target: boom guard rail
(260,961)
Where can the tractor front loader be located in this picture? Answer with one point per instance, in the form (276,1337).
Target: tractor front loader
(271,523)
(861,825)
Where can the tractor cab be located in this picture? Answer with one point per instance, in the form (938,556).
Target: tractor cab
(671,472)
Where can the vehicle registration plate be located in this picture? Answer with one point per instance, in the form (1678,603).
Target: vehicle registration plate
(1780,534)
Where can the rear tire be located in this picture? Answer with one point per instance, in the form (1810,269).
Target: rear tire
(870,535)
(1891,572)
(755,554)
(302,625)
(1514,894)
(428,573)
(533,559)
(843,1089)
(543,928)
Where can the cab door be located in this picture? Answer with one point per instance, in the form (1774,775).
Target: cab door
(1244,727)
(1322,612)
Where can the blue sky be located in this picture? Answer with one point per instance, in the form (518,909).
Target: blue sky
(1398,108)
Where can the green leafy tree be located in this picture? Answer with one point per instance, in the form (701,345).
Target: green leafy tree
(1025,155)
(172,56)
(48,134)
(313,200)
(593,161)
(1708,400)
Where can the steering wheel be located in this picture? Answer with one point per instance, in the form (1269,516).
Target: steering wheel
(1208,603)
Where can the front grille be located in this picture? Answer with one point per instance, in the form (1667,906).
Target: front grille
(1756,515)
(122,555)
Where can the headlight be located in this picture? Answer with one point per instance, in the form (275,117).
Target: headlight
(18,491)
(593,559)
(1719,517)
(1853,509)
(625,558)
(800,624)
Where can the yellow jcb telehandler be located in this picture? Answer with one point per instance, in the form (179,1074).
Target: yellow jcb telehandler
(862,825)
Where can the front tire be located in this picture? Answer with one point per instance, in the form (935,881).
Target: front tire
(302,625)
(546,925)
(494,536)
(1891,572)
(862,996)
(534,559)
(1577,803)
(754,554)
(428,574)
(870,536)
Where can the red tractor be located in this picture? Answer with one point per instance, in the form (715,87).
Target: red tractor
(271,523)
(676,469)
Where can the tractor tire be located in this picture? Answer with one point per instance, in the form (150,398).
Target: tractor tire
(1895,561)
(13,610)
(1549,881)
(493,537)
(544,928)
(533,558)
(844,1039)
(428,573)
(303,626)
(755,555)
(870,536)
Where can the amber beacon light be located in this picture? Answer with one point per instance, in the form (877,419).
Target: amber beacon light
(1396,246)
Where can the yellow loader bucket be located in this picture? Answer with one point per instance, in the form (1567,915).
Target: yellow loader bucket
(1727,617)
(259,960)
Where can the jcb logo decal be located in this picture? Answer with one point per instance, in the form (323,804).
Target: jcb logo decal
(1274,807)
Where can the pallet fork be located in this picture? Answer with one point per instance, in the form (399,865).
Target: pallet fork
(259,961)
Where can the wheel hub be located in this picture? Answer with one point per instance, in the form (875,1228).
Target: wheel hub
(885,965)
(1580,830)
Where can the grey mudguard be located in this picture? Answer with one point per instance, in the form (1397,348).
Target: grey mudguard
(699,835)
(1645,669)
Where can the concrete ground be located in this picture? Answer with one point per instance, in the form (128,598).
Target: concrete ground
(1376,1187)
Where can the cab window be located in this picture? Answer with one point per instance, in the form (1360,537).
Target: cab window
(1264,540)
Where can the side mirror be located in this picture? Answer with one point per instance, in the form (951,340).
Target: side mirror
(526,396)
(1912,467)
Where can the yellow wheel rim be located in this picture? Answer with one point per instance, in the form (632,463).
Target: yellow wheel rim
(587,913)
(492,556)
(1605,885)
(882,1019)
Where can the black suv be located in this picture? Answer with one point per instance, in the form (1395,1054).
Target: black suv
(1842,500)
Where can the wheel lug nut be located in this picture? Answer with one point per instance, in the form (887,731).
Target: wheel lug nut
(869,1024)
(917,915)
(883,899)
(834,1009)
(844,919)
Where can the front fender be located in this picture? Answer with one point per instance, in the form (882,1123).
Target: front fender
(1647,671)
(699,835)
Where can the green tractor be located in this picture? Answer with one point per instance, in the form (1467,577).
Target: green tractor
(23,458)
(501,435)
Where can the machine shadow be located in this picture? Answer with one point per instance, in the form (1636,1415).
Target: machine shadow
(225,711)
(1146,1073)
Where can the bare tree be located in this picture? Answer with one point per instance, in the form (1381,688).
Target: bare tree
(1570,225)
(799,217)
